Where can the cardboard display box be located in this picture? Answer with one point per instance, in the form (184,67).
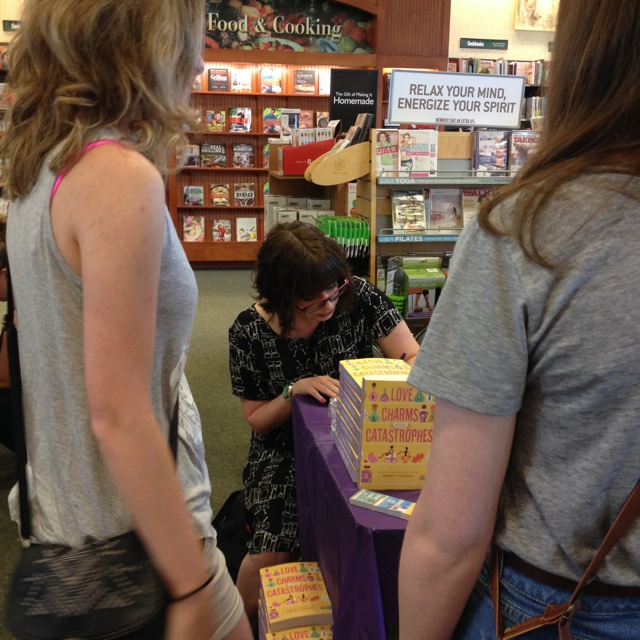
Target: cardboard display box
(295,160)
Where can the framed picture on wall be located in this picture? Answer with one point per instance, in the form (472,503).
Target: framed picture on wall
(536,15)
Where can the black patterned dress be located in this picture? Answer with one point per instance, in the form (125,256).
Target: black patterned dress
(261,365)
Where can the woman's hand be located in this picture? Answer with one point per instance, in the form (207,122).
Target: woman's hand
(191,618)
(266,415)
(317,387)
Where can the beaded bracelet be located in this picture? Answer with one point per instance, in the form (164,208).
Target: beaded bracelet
(191,593)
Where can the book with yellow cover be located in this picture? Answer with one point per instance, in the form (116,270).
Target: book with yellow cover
(384,426)
(293,633)
(360,367)
(294,595)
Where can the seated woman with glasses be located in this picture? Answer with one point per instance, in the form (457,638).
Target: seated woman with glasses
(310,314)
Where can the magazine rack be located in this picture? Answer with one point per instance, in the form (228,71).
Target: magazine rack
(341,166)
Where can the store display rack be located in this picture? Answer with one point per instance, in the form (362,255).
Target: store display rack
(208,251)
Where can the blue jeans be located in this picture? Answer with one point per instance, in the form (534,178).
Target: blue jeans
(521,598)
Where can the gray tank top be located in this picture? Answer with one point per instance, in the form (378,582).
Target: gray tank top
(71,492)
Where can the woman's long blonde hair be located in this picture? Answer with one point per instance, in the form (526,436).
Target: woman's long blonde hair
(80,66)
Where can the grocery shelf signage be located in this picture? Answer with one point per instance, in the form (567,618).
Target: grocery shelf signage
(455,99)
(287,25)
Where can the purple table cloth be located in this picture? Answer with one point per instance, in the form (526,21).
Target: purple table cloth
(358,549)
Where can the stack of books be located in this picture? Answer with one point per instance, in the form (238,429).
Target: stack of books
(383,425)
(294,602)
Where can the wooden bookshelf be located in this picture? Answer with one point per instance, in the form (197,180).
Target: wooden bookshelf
(399,41)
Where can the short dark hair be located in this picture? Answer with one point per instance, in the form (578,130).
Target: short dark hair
(297,261)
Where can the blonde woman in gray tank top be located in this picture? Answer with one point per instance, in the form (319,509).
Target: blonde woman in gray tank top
(104,293)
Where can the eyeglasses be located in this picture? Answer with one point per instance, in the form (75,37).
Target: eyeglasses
(316,306)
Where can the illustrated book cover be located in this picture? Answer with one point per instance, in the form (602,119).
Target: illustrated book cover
(244,194)
(242,155)
(384,426)
(213,154)
(408,210)
(490,152)
(189,155)
(522,144)
(305,121)
(445,210)
(383,503)
(220,195)
(322,119)
(471,201)
(294,595)
(387,153)
(241,80)
(324,82)
(304,81)
(216,120)
(193,228)
(240,120)
(217,79)
(193,196)
(221,230)
(415,153)
(271,80)
(246,230)
(271,120)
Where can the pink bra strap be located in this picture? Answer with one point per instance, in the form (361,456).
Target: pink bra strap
(63,173)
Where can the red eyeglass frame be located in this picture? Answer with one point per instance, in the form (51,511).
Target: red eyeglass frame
(332,298)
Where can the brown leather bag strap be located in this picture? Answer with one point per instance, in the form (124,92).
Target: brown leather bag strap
(561,614)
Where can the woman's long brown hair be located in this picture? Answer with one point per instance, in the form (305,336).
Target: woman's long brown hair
(592,119)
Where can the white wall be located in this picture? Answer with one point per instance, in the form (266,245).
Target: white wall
(494,19)
(9,10)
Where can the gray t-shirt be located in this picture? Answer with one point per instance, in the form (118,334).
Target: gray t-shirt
(72,494)
(560,349)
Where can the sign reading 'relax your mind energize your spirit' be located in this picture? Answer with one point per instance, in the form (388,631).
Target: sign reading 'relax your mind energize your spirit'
(455,99)
(288,25)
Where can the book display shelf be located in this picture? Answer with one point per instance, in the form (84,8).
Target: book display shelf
(454,179)
(285,77)
(217,199)
(535,72)
(230,155)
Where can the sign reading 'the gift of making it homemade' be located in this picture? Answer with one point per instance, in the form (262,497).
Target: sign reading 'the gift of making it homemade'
(455,99)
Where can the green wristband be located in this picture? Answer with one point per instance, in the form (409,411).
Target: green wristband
(287,392)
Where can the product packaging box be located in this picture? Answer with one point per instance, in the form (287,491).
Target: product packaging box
(350,194)
(324,133)
(309,216)
(287,215)
(271,206)
(295,160)
(422,286)
(303,136)
(318,203)
(296,202)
